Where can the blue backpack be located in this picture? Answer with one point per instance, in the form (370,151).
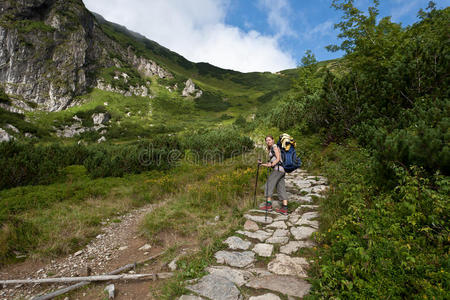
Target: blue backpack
(289,158)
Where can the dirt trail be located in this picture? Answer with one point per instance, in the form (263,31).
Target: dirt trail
(118,244)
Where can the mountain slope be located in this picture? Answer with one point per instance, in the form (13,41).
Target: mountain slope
(60,58)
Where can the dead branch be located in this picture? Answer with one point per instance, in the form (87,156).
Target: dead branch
(88,278)
(84,283)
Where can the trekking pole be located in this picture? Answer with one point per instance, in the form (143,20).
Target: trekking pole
(256,183)
(265,219)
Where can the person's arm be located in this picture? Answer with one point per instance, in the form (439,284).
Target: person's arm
(274,163)
(278,157)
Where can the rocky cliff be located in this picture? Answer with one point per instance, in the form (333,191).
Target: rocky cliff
(54,50)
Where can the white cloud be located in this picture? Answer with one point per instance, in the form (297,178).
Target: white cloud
(278,16)
(320,30)
(196,30)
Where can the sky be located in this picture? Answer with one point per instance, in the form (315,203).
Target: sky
(245,35)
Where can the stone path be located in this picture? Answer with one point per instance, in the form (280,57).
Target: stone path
(263,261)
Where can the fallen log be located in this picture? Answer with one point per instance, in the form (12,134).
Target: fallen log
(84,283)
(88,278)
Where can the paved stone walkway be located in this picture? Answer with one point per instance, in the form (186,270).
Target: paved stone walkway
(262,261)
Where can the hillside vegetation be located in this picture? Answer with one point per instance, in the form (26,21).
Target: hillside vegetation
(375,123)
(379,130)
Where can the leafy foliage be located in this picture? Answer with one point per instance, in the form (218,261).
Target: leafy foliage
(380,242)
(393,94)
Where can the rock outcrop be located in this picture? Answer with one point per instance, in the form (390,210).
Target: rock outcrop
(52,50)
(190,90)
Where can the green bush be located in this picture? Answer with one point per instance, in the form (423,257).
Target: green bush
(23,163)
(379,242)
(4,97)
(211,102)
(217,144)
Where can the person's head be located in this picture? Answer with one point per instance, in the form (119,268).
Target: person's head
(269,141)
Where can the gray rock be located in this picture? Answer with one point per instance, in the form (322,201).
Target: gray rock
(190,297)
(301,233)
(102,139)
(189,89)
(277,224)
(306,219)
(294,246)
(268,296)
(281,218)
(259,272)
(259,219)
(235,259)
(4,136)
(173,265)
(309,206)
(288,285)
(216,287)
(12,127)
(307,199)
(100,118)
(260,235)
(294,217)
(262,212)
(278,240)
(286,265)
(236,243)
(250,225)
(238,277)
(110,290)
(313,224)
(263,249)
(281,233)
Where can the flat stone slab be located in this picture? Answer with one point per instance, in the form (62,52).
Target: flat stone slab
(310,215)
(263,249)
(216,287)
(286,265)
(190,297)
(260,235)
(263,212)
(294,217)
(306,220)
(294,246)
(301,233)
(236,243)
(251,226)
(277,240)
(288,285)
(268,296)
(238,277)
(278,224)
(313,224)
(235,259)
(259,272)
(302,183)
(308,206)
(281,218)
(307,199)
(259,219)
(281,232)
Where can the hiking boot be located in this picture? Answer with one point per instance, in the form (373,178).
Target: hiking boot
(266,207)
(282,210)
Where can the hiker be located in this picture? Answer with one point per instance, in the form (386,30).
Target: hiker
(276,178)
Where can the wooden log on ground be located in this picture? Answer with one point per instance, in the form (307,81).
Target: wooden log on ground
(87,278)
(84,283)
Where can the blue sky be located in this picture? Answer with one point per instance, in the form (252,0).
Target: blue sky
(308,24)
(244,35)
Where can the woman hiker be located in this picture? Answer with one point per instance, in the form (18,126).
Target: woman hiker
(276,178)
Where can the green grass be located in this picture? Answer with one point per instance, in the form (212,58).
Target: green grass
(57,219)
